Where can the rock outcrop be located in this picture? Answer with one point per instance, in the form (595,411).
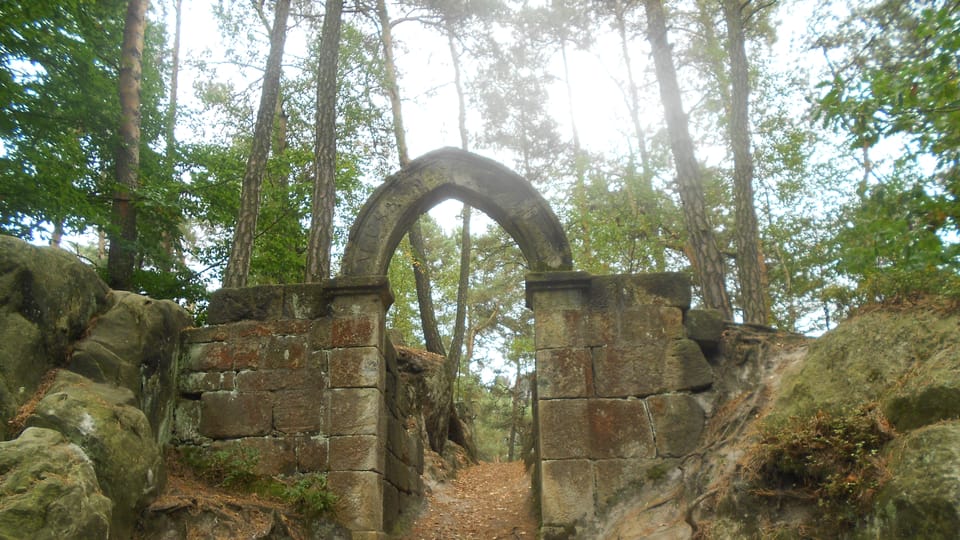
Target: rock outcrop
(47,298)
(49,489)
(89,373)
(896,371)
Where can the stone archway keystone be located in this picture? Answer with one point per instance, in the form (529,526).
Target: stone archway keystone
(450,173)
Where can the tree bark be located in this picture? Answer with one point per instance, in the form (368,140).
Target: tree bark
(463,283)
(123,232)
(238,266)
(634,105)
(707,258)
(421,271)
(751,267)
(325,152)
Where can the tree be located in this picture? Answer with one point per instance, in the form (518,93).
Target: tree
(750,263)
(238,266)
(705,255)
(421,274)
(325,155)
(893,78)
(123,231)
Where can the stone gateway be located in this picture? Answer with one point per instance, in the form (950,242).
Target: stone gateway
(306,374)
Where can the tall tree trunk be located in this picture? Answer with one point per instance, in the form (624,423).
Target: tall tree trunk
(707,260)
(174,84)
(170,155)
(325,152)
(750,261)
(123,232)
(634,105)
(238,266)
(421,271)
(463,283)
(579,165)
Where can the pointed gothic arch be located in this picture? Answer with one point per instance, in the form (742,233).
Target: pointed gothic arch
(450,173)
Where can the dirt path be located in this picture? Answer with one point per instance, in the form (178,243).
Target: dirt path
(489,501)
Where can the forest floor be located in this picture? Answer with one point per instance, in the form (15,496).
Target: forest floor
(488,501)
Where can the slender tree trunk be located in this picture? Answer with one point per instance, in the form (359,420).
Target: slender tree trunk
(750,261)
(634,106)
(123,233)
(421,270)
(325,152)
(579,166)
(514,420)
(174,85)
(238,266)
(463,283)
(707,259)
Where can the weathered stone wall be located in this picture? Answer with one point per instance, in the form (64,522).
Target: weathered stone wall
(304,375)
(617,385)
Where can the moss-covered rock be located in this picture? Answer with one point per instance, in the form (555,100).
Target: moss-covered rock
(47,296)
(922,498)
(863,360)
(103,420)
(134,345)
(928,393)
(48,489)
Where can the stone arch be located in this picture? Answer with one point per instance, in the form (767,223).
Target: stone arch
(449,173)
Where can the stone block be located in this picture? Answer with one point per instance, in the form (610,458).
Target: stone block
(357,367)
(357,453)
(280,379)
(356,411)
(617,476)
(360,504)
(564,428)
(305,301)
(312,453)
(391,506)
(645,324)
(565,372)
(199,382)
(284,352)
(302,410)
(705,326)
(205,334)
(186,421)
(685,367)
(251,329)
(274,455)
(619,428)
(248,303)
(624,291)
(320,334)
(603,327)
(356,331)
(229,415)
(214,356)
(677,421)
(566,491)
(559,328)
(628,371)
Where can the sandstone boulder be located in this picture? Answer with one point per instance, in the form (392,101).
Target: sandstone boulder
(103,420)
(922,498)
(47,296)
(133,345)
(49,490)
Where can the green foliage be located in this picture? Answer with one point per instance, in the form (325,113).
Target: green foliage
(896,79)
(232,468)
(310,495)
(891,244)
(831,458)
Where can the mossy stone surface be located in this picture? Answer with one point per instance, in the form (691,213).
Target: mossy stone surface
(49,490)
(922,499)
